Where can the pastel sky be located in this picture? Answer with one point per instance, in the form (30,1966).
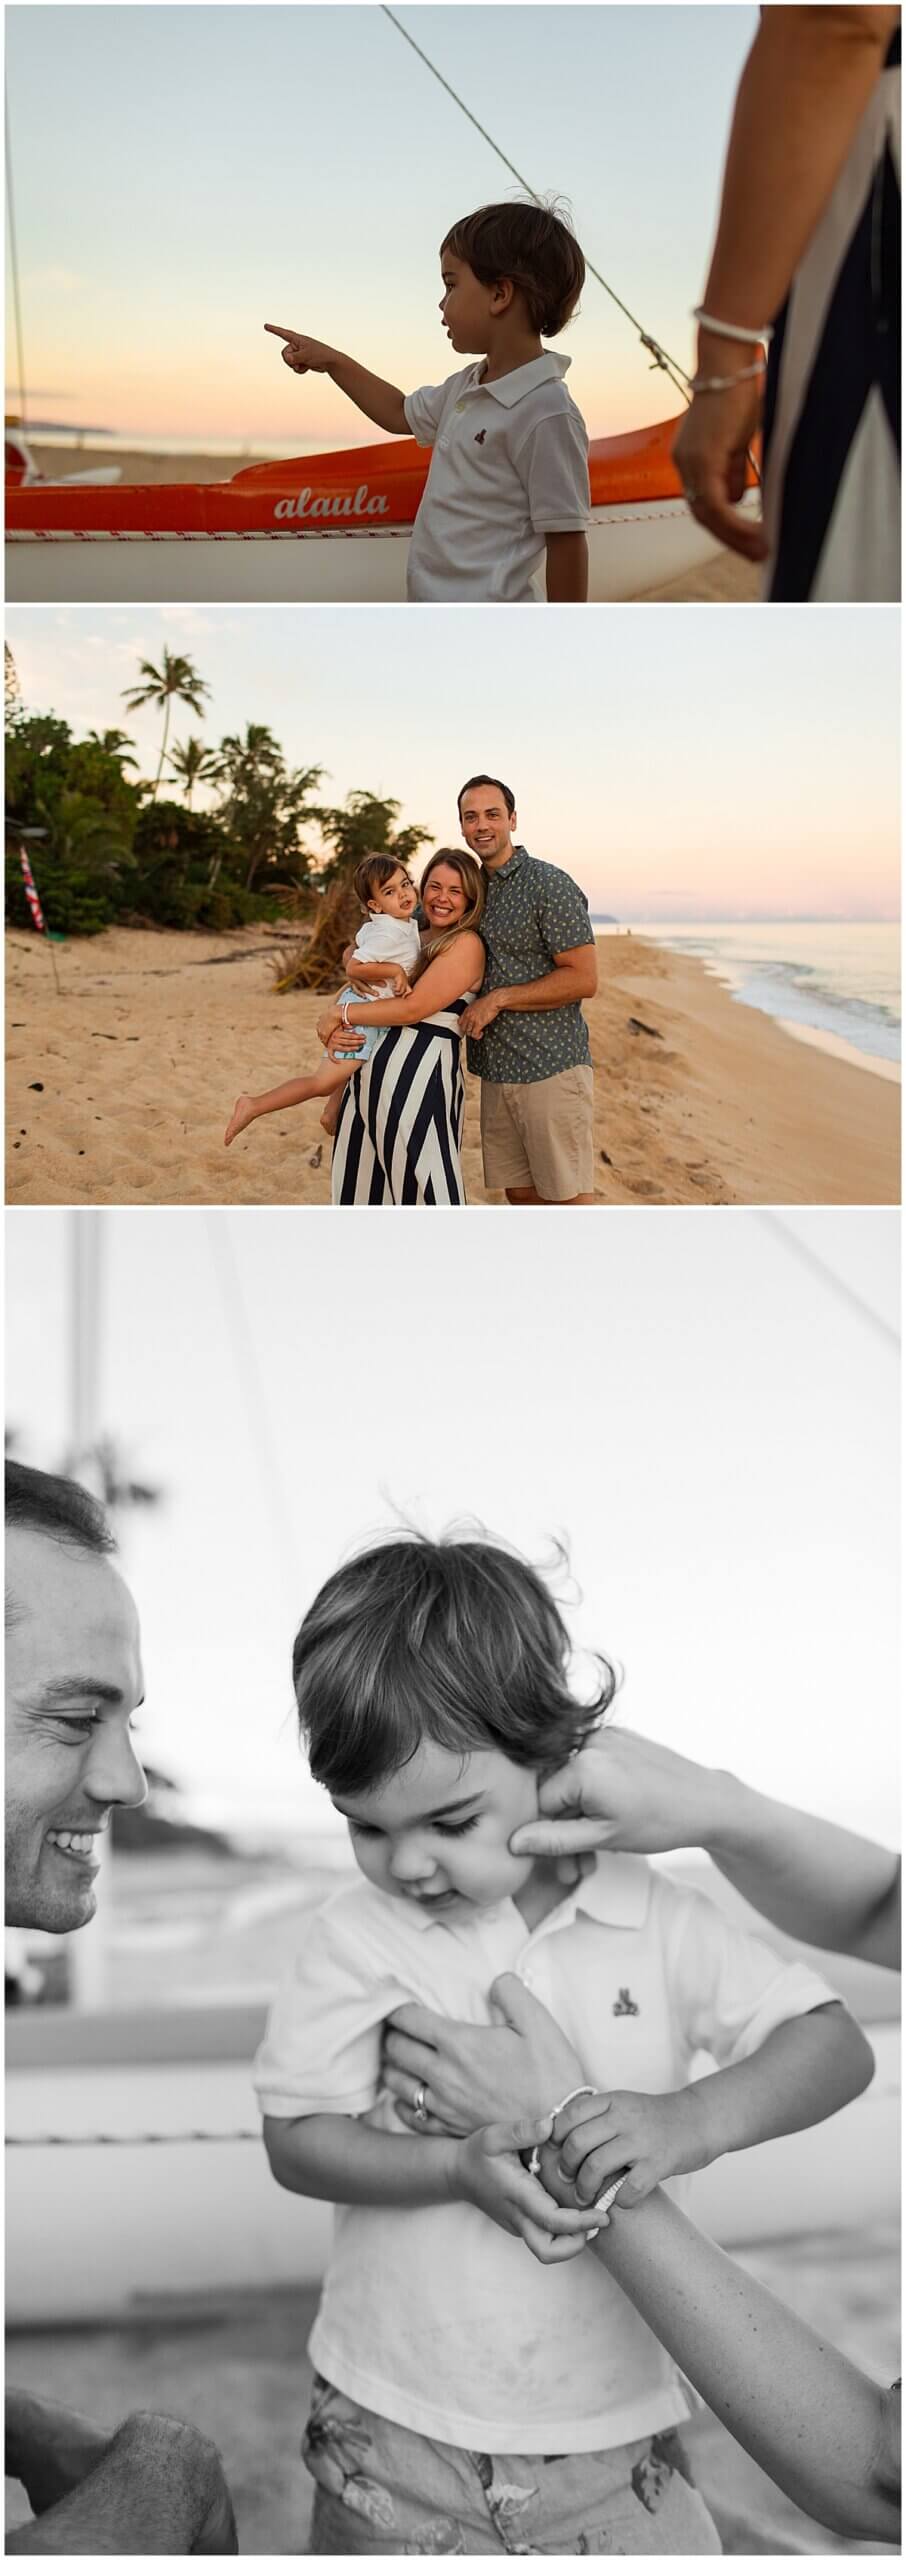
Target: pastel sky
(732,1525)
(184,174)
(685,764)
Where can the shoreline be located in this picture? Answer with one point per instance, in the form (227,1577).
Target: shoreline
(119,1088)
(832,1043)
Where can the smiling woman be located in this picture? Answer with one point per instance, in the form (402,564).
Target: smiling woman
(73,1683)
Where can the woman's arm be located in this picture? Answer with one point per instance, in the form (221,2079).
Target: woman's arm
(448,975)
(802,2410)
(804,90)
(807,1876)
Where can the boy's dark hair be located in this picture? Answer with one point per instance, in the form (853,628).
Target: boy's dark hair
(58,1506)
(372,874)
(533,248)
(453,1640)
(491,779)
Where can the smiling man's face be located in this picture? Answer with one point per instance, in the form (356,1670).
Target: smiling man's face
(487,825)
(73,1683)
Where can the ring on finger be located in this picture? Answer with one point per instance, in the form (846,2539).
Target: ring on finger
(420,2104)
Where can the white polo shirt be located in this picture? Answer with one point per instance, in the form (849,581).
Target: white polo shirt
(435,2317)
(510,465)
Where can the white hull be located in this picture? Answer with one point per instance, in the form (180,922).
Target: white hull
(631,549)
(187,2217)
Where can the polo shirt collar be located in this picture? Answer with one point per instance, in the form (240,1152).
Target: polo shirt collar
(513,863)
(524,377)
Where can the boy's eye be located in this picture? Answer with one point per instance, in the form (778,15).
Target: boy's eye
(366,1830)
(453,1830)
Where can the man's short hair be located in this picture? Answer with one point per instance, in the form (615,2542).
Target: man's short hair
(58,1506)
(491,780)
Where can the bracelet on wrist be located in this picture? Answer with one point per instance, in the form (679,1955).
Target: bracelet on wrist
(726,381)
(730,329)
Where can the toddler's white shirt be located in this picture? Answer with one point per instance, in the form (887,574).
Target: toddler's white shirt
(435,2317)
(389,938)
(510,465)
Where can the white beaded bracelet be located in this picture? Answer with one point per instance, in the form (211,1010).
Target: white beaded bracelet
(729,329)
(586,2091)
(726,381)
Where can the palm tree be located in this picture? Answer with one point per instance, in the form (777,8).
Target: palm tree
(265,805)
(175,680)
(193,763)
(115,743)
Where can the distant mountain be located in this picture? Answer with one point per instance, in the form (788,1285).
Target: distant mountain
(605,919)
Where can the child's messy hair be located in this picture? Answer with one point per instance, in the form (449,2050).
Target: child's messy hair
(454,1640)
(373,873)
(533,249)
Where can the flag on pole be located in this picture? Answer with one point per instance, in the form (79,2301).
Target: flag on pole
(37,912)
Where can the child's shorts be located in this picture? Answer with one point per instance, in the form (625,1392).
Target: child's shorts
(353,995)
(381,2488)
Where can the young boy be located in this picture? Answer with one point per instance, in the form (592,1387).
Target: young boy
(462,2383)
(388,947)
(507,492)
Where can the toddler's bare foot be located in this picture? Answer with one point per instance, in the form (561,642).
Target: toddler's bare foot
(330,1114)
(244,1112)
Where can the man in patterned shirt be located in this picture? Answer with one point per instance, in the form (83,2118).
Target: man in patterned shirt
(527,1037)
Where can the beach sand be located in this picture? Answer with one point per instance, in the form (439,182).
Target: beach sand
(120,1087)
(725,580)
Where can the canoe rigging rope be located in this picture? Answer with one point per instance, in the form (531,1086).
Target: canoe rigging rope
(14,270)
(658,354)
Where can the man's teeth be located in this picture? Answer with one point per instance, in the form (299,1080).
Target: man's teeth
(80,1842)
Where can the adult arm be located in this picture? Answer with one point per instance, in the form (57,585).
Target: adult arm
(51,2449)
(567,568)
(803,2411)
(378,400)
(809,1877)
(574,977)
(447,976)
(157,2487)
(804,89)
(348,2161)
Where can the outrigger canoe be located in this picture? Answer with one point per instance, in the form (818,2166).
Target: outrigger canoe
(331,528)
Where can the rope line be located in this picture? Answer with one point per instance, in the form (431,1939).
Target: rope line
(14,268)
(115,2141)
(659,356)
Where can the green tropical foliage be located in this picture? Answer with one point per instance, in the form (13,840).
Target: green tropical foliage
(106,848)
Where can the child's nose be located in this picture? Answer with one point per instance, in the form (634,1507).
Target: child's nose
(410,1860)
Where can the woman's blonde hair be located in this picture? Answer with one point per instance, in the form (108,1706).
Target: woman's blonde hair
(473,881)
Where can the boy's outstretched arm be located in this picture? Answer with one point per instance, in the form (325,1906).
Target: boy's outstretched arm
(378,400)
(805,2070)
(347,2161)
(567,568)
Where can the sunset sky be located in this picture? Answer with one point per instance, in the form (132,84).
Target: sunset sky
(684,764)
(184,174)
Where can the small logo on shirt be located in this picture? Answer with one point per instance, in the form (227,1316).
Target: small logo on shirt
(625,2006)
(480,438)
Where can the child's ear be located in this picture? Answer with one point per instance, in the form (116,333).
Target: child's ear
(502,294)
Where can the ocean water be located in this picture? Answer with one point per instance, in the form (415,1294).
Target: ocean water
(839,981)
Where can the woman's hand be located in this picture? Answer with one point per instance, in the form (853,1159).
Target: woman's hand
(622,1792)
(474,2076)
(488,2172)
(303,355)
(597,2137)
(711,455)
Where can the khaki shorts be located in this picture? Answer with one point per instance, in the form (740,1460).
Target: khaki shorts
(540,1135)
